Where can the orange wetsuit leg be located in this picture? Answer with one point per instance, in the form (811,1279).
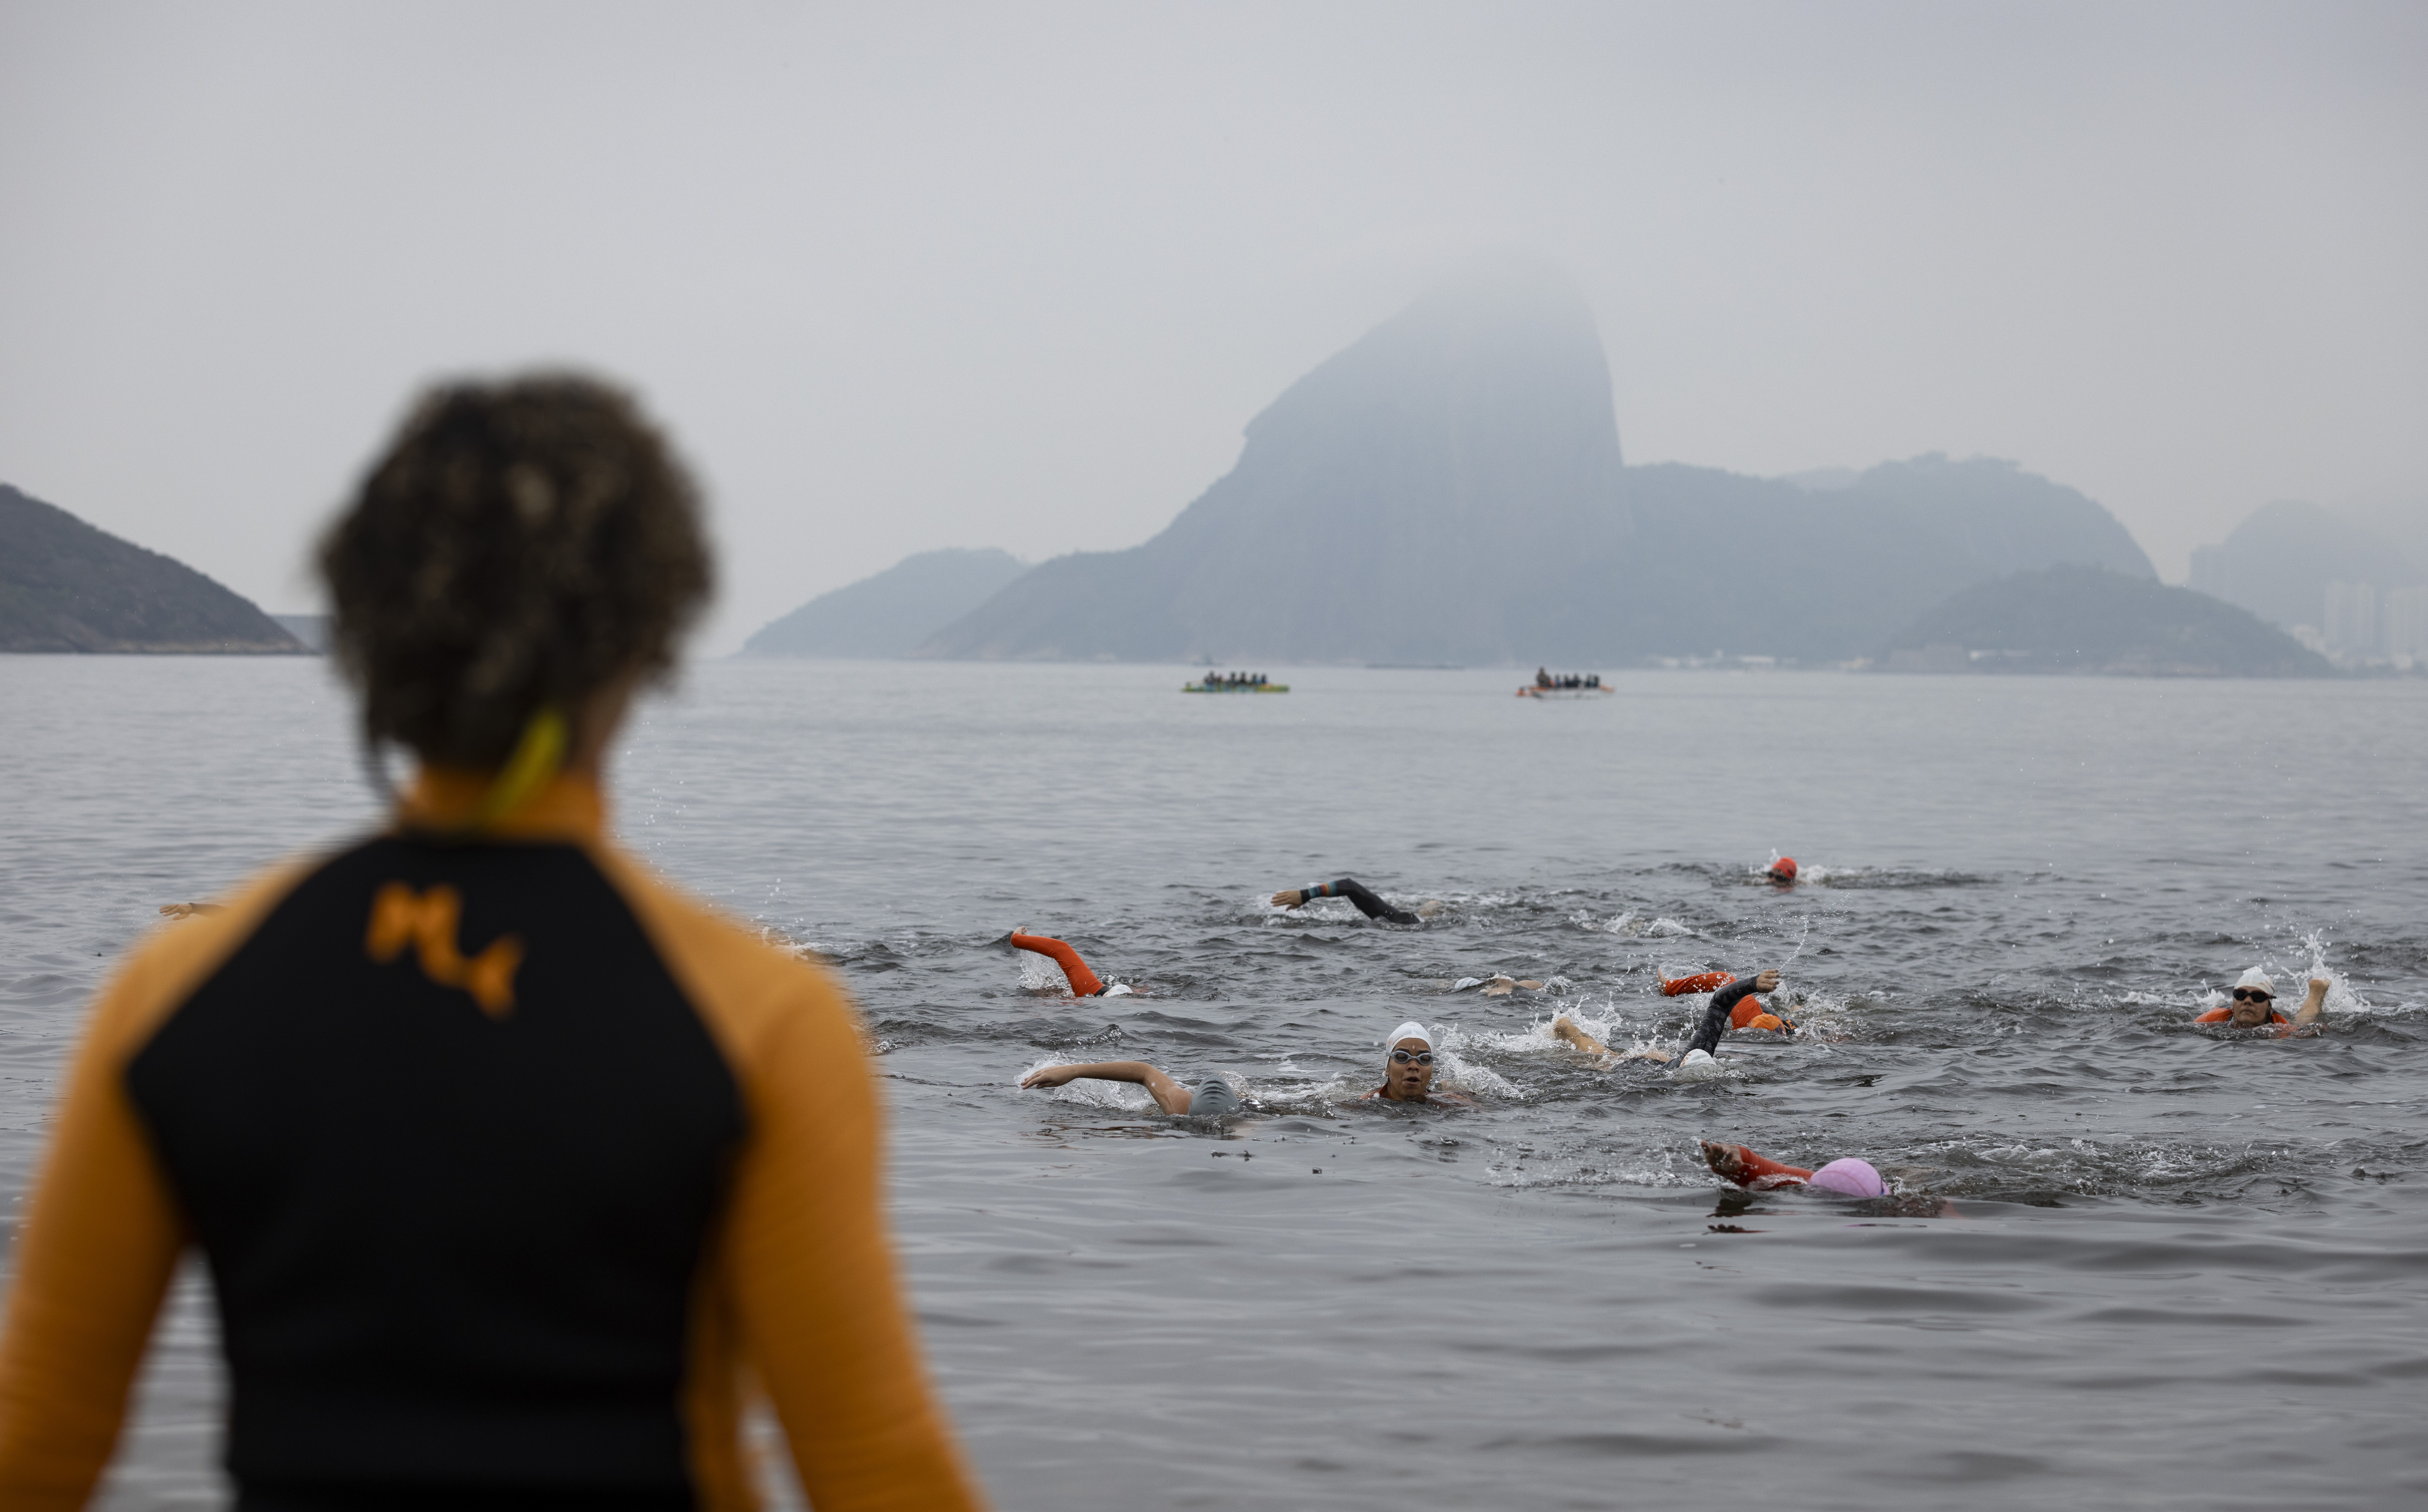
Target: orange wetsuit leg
(1083,981)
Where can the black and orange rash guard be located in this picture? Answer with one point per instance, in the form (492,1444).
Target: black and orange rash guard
(505,1157)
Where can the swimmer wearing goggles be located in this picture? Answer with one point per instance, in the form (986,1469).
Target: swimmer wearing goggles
(1408,1069)
(2254,1006)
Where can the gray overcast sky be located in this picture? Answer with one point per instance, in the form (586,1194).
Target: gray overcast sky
(904,276)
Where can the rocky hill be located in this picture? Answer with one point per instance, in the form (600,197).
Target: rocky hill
(65,586)
(890,613)
(1449,488)
(2084,619)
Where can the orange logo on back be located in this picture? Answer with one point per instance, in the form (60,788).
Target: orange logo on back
(400,917)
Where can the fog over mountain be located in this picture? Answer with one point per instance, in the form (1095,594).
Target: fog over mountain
(2277,563)
(1451,488)
(890,612)
(65,586)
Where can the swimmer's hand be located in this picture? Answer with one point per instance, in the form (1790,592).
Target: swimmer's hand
(1289,899)
(1051,1075)
(186,910)
(1767,981)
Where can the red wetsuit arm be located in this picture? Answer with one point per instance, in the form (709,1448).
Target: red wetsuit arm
(1083,981)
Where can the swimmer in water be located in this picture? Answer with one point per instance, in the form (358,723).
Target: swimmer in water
(1084,982)
(1731,999)
(1847,1177)
(1368,904)
(1408,1069)
(1745,1010)
(1565,1027)
(2255,1006)
(1213,1097)
(1782,871)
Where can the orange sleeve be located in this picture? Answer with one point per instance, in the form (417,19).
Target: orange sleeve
(101,1232)
(1702,981)
(804,1258)
(2215,1016)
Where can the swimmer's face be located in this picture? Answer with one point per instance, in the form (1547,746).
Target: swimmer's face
(2251,1005)
(1408,1069)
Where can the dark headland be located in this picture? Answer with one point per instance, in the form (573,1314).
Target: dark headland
(2083,619)
(1449,488)
(65,586)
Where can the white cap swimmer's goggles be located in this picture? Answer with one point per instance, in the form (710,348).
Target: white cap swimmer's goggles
(1410,1031)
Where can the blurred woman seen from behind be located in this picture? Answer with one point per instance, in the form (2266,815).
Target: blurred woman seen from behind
(504,1154)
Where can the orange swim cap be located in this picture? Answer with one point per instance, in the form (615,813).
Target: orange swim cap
(1783,868)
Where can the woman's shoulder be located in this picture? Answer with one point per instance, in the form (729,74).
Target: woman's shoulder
(746,979)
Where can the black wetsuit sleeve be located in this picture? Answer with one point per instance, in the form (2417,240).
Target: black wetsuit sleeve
(1716,1018)
(1368,904)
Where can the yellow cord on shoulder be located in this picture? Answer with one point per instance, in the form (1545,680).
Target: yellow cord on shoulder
(538,756)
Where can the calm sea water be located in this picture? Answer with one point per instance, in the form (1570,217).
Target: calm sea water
(2134,1264)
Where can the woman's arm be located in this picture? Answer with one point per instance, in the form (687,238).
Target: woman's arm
(1716,1018)
(1565,1027)
(2315,1006)
(816,1304)
(1169,1094)
(93,1257)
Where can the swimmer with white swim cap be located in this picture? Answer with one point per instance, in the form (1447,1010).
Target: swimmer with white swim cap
(1408,1069)
(2255,1006)
(1212,1098)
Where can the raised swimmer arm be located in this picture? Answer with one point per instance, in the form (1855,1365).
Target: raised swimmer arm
(1169,1094)
(1350,887)
(1716,1018)
(2313,1007)
(1083,981)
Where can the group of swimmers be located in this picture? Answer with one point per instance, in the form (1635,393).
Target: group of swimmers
(1748,1006)
(1543,679)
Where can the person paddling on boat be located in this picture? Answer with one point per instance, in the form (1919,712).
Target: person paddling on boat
(1368,904)
(1084,983)
(2254,1006)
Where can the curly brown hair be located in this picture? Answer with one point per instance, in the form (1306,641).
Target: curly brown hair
(520,546)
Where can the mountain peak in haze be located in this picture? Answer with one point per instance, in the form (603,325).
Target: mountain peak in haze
(1384,507)
(1449,487)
